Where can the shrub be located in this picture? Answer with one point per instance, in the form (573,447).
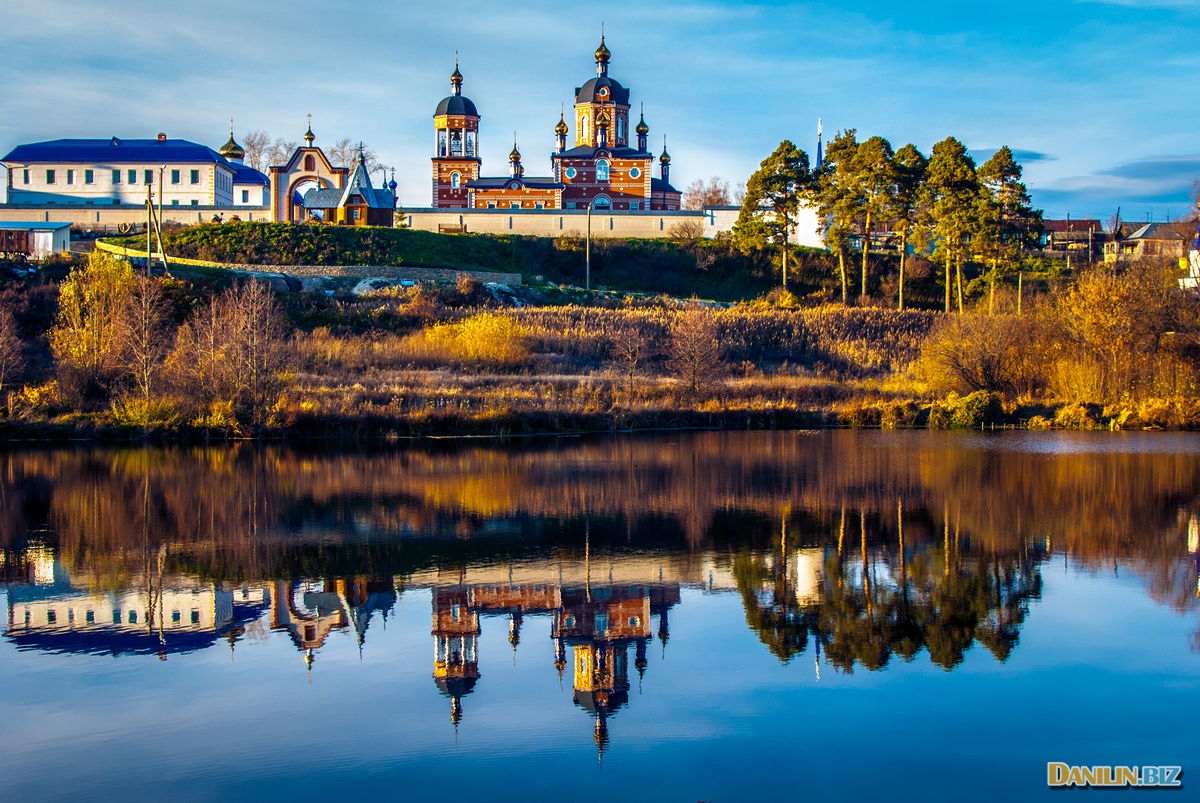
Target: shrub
(491,340)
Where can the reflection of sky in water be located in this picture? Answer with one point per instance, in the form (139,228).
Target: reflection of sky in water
(1045,442)
(1102,675)
(1106,669)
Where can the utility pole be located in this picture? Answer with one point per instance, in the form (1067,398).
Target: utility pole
(149,223)
(589,247)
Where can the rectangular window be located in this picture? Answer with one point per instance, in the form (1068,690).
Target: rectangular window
(633,206)
(116,201)
(26,177)
(90,617)
(195,203)
(133,177)
(175,617)
(245,196)
(491,205)
(70,176)
(116,177)
(51,617)
(515,205)
(195,617)
(174,176)
(195,176)
(116,616)
(133,617)
(148,176)
(570,204)
(175,203)
(354,213)
(537,205)
(89,177)
(49,176)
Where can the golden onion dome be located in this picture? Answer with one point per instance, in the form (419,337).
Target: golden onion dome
(515,155)
(602,120)
(232,150)
(456,77)
(561,128)
(602,54)
(665,158)
(642,129)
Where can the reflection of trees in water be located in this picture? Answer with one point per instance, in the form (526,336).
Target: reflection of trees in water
(244,511)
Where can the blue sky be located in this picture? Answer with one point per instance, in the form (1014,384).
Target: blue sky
(1097,98)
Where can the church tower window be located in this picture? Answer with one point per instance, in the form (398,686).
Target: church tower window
(455,178)
(621,128)
(470,143)
(583,128)
(442,142)
(310,163)
(602,170)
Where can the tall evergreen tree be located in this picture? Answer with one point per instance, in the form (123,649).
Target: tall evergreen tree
(1008,224)
(949,204)
(773,196)
(874,185)
(835,193)
(910,177)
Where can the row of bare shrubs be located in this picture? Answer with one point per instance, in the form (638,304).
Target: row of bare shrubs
(122,341)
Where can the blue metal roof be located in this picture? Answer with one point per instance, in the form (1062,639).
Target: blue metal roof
(115,150)
(247,175)
(38,226)
(658,185)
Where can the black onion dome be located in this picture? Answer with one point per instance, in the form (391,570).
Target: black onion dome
(457,105)
(589,92)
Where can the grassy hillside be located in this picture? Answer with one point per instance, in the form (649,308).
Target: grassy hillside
(711,269)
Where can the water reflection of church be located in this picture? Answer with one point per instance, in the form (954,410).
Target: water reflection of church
(597,622)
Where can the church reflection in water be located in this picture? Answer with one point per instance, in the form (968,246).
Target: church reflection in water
(597,622)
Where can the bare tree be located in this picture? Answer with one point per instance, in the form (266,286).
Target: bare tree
(687,231)
(739,193)
(234,350)
(257,348)
(699,195)
(255,143)
(629,349)
(695,350)
(344,153)
(143,333)
(277,152)
(12,351)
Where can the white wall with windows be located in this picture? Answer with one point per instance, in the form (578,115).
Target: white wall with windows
(186,184)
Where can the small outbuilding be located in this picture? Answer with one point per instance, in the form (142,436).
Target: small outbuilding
(34,240)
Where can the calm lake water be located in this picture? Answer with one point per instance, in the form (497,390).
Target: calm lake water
(682,616)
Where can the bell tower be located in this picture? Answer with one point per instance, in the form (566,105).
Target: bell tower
(456,155)
(599,99)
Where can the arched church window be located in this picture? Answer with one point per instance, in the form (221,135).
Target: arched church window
(583,128)
(602,202)
(620,128)
(455,178)
(310,163)
(602,170)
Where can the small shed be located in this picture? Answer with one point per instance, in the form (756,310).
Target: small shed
(36,240)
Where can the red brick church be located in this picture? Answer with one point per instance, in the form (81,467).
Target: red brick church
(603,170)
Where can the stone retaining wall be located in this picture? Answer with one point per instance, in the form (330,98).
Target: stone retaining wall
(394,273)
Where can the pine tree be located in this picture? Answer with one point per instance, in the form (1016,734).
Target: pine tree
(836,197)
(773,196)
(949,205)
(1007,223)
(910,177)
(874,179)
